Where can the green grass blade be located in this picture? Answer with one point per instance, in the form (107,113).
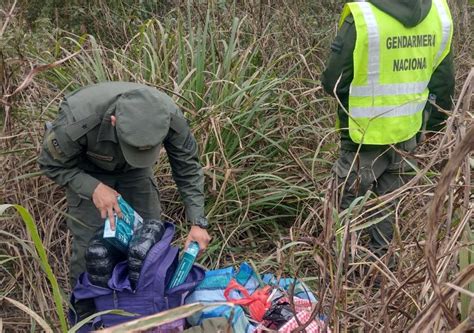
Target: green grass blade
(33,231)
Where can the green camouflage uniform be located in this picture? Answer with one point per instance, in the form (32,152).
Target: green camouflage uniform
(380,168)
(82,149)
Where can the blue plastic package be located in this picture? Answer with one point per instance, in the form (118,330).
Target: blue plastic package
(124,227)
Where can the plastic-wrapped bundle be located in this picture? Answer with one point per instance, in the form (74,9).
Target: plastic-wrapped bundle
(279,314)
(101,258)
(145,237)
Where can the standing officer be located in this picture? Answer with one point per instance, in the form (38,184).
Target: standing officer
(387,60)
(104,143)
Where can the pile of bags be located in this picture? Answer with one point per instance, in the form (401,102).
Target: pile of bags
(259,303)
(130,269)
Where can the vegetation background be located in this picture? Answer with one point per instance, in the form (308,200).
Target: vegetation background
(247,75)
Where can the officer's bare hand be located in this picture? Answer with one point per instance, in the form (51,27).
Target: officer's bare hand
(105,199)
(200,236)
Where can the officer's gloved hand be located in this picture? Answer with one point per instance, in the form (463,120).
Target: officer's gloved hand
(101,258)
(143,239)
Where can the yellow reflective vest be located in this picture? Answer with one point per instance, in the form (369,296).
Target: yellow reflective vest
(393,65)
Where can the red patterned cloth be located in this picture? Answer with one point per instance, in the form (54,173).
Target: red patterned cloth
(316,326)
(303,309)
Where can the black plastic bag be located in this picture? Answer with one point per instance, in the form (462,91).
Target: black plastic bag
(101,258)
(143,239)
(279,314)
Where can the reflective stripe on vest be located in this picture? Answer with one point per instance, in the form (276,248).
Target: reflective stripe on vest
(389,89)
(447,31)
(387,111)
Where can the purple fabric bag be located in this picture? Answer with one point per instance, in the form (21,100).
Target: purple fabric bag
(151,295)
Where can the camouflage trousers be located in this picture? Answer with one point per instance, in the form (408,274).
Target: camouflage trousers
(138,187)
(380,171)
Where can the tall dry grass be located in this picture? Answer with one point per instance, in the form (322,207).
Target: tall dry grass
(246,74)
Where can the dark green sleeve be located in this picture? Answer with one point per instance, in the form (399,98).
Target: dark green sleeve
(182,150)
(441,86)
(340,63)
(59,157)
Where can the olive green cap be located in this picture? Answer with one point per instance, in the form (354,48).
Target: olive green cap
(143,121)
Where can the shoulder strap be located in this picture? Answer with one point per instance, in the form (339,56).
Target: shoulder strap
(178,124)
(82,127)
(83,120)
(346,11)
